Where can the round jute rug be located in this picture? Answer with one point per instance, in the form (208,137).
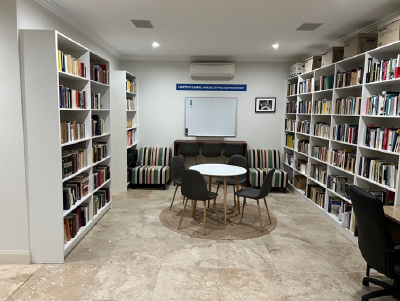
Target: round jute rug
(248,228)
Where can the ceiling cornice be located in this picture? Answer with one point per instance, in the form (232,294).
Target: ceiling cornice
(48,4)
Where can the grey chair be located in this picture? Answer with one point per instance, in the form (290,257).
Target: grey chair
(211,150)
(177,167)
(257,194)
(194,187)
(240,161)
(233,149)
(189,149)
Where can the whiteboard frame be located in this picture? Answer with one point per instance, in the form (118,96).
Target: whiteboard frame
(209,135)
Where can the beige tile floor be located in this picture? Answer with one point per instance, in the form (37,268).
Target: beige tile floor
(130,255)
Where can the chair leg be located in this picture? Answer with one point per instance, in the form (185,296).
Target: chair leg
(216,211)
(183,213)
(266,206)
(259,214)
(217,187)
(204,222)
(195,161)
(234,213)
(244,203)
(176,188)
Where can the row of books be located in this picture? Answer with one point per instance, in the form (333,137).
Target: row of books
(321,153)
(303,126)
(130,104)
(323,106)
(100,199)
(96,101)
(321,129)
(99,73)
(384,104)
(75,189)
(290,140)
(129,123)
(316,194)
(319,172)
(71,98)
(306,86)
(379,70)
(349,78)
(348,106)
(378,170)
(72,161)
(302,146)
(100,175)
(346,133)
(99,151)
(71,131)
(98,125)
(386,196)
(67,63)
(292,89)
(291,107)
(131,139)
(382,138)
(325,82)
(290,124)
(301,165)
(289,159)
(305,107)
(344,159)
(343,211)
(130,86)
(75,220)
(338,184)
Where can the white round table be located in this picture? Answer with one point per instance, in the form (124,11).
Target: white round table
(220,171)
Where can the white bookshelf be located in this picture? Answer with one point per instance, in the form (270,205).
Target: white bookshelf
(362,120)
(121,114)
(43,147)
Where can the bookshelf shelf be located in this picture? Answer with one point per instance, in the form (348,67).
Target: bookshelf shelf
(101,161)
(350,93)
(132,128)
(101,136)
(54,232)
(101,186)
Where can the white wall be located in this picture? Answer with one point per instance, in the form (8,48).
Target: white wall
(14,246)
(161,106)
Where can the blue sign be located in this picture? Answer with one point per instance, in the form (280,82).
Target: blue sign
(210,87)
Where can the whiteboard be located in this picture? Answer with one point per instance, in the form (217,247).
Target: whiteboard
(210,116)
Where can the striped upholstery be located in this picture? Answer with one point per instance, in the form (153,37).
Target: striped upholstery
(153,166)
(259,162)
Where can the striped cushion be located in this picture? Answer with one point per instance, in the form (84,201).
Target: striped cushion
(263,158)
(158,156)
(256,177)
(150,174)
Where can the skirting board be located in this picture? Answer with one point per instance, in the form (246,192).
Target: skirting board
(15,257)
(338,227)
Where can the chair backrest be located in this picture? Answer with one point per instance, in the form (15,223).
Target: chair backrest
(194,187)
(189,149)
(154,156)
(177,167)
(374,236)
(262,158)
(267,184)
(211,150)
(233,149)
(240,161)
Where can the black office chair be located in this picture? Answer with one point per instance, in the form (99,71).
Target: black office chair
(376,243)
(233,149)
(211,150)
(257,194)
(177,167)
(240,161)
(194,187)
(189,149)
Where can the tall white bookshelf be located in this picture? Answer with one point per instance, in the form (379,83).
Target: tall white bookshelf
(125,124)
(360,120)
(44,147)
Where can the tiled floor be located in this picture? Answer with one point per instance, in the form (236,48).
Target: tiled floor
(130,255)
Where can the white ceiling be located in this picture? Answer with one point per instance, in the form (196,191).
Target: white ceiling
(223,30)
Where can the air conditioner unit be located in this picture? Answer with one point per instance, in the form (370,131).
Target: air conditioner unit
(220,71)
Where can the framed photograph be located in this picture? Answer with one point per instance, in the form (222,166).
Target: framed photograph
(265,104)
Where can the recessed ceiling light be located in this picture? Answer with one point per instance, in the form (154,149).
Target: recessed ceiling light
(155,44)
(275,46)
